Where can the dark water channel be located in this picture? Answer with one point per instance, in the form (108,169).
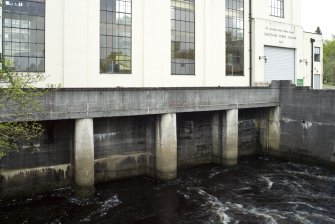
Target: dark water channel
(258,190)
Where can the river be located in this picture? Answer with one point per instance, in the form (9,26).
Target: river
(258,190)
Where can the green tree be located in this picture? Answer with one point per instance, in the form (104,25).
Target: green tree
(19,97)
(329,61)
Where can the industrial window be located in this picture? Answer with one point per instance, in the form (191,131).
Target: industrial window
(182,37)
(23,42)
(317,54)
(277,8)
(234,37)
(115,36)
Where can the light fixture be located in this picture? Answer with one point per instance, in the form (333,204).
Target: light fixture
(304,60)
(263,58)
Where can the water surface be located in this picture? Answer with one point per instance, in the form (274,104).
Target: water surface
(258,190)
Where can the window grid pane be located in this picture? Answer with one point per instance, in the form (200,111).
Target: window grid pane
(115,36)
(277,8)
(317,54)
(24,35)
(234,37)
(182,37)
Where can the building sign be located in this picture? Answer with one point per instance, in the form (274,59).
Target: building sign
(281,33)
(300,82)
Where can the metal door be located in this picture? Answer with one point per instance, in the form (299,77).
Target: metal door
(279,64)
(317,82)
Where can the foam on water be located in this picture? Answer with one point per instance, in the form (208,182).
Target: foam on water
(104,208)
(268,181)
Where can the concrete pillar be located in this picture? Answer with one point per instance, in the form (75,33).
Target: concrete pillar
(216,138)
(274,129)
(262,125)
(84,153)
(166,146)
(150,134)
(230,137)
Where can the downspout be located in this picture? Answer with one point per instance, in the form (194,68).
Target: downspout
(312,63)
(250,43)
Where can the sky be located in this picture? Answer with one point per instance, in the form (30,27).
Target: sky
(318,13)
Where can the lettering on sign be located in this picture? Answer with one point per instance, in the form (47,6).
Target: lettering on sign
(281,34)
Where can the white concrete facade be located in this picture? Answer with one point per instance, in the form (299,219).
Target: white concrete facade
(73,43)
(287,32)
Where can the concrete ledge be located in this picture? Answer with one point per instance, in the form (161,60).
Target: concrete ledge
(34,180)
(229,162)
(165,176)
(195,162)
(120,167)
(302,158)
(96,103)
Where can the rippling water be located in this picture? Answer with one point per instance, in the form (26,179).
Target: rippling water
(256,191)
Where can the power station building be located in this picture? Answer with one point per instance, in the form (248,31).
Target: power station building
(96,132)
(160,43)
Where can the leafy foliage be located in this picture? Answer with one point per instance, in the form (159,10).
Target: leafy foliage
(18,136)
(19,97)
(329,61)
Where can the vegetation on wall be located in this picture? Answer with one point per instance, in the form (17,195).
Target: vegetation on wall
(19,94)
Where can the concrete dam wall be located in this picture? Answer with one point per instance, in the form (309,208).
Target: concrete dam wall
(88,148)
(307,125)
(123,147)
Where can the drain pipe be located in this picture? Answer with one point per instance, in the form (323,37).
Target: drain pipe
(312,63)
(250,43)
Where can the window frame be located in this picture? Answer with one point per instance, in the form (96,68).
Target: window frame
(192,65)
(118,37)
(277,10)
(19,28)
(235,28)
(317,54)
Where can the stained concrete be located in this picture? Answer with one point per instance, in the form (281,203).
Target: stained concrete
(120,166)
(194,138)
(28,172)
(252,131)
(166,147)
(230,137)
(216,136)
(124,147)
(307,125)
(219,130)
(206,131)
(53,148)
(119,135)
(274,129)
(84,153)
(128,146)
(22,182)
(99,103)
(150,141)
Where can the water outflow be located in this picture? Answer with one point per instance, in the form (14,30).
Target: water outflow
(258,190)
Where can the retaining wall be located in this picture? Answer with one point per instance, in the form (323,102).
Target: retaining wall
(307,125)
(124,146)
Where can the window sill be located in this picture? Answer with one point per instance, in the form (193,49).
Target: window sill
(183,74)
